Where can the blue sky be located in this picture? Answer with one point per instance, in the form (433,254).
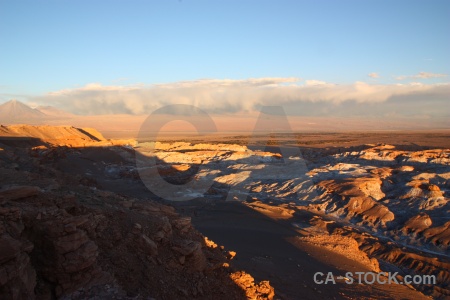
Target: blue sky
(48,46)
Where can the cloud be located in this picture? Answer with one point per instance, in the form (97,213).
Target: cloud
(421,75)
(315,82)
(373,75)
(226,96)
(266,81)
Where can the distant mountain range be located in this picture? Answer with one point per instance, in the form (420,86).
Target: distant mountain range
(55,112)
(15,111)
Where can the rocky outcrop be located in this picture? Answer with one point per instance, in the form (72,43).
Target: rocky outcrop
(357,197)
(380,186)
(417,224)
(253,291)
(17,275)
(81,240)
(67,136)
(345,246)
(92,243)
(439,235)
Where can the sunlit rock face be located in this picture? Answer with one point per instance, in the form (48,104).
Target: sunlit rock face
(63,236)
(392,195)
(379,187)
(386,203)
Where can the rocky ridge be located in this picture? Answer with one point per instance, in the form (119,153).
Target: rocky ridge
(62,237)
(392,203)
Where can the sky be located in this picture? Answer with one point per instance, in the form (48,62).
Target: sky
(314,57)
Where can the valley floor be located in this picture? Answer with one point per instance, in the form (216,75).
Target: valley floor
(307,203)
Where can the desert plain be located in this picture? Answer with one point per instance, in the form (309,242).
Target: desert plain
(223,216)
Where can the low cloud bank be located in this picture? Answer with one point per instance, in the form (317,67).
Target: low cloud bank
(217,96)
